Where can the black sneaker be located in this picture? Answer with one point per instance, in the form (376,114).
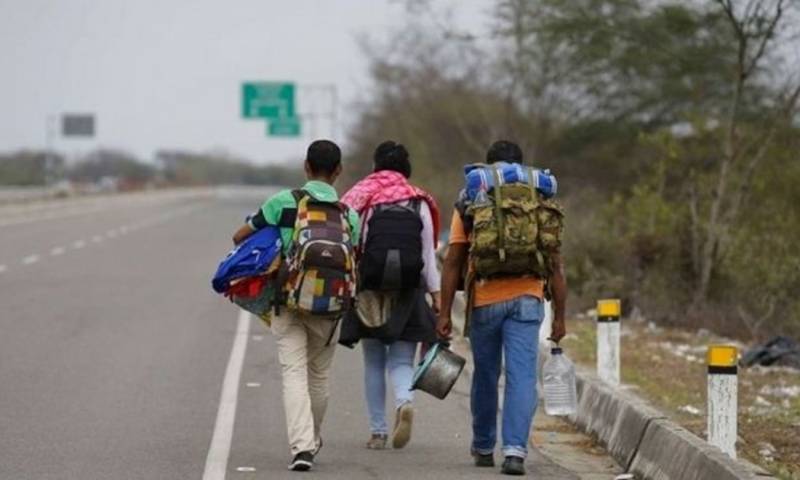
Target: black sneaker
(514,466)
(483,459)
(302,462)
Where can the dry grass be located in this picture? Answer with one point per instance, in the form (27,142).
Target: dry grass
(668,368)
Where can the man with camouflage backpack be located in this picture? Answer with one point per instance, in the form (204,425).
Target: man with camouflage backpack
(317,233)
(506,234)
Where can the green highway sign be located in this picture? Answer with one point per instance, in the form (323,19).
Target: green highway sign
(286,127)
(270,100)
(274,102)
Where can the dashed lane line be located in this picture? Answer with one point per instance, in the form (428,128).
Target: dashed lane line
(30,259)
(109,234)
(220,448)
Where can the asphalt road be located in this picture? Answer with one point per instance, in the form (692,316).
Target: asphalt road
(114,353)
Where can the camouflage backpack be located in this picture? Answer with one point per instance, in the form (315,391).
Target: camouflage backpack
(514,230)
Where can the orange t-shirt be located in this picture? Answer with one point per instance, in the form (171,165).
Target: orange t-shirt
(495,290)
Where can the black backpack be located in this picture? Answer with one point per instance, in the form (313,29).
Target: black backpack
(392,256)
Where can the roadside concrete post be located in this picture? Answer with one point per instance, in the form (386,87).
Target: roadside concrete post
(722,397)
(608,343)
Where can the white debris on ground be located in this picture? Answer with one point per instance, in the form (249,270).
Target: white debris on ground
(690,409)
(762,402)
(653,328)
(571,336)
(771,370)
(783,391)
(767,451)
(627,332)
(694,354)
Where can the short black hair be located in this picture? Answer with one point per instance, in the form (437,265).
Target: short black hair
(504,151)
(323,157)
(392,156)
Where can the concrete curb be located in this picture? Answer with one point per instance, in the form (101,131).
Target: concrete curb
(648,444)
(639,437)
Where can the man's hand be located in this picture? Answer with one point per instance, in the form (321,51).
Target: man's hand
(558,330)
(444,327)
(242,233)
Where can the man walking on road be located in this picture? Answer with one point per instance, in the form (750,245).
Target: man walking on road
(306,331)
(506,283)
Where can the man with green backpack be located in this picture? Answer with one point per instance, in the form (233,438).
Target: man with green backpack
(318,233)
(506,235)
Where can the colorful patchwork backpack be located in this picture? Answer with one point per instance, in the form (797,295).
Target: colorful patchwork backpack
(514,229)
(321,273)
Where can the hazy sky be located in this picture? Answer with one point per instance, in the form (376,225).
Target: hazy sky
(167,73)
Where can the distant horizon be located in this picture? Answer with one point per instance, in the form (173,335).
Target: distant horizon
(167,75)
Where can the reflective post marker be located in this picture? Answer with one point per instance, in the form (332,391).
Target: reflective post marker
(608,344)
(722,397)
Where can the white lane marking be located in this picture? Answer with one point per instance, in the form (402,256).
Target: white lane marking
(97,239)
(57,251)
(220,448)
(3,268)
(245,469)
(30,259)
(258,338)
(79,244)
(253,384)
(111,233)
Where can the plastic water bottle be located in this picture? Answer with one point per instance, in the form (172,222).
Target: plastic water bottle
(558,384)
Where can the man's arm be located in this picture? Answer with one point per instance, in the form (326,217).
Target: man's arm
(452,268)
(559,290)
(257,221)
(355,226)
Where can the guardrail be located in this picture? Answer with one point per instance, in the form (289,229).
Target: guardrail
(26,194)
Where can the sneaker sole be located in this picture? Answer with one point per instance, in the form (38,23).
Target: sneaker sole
(402,433)
(300,466)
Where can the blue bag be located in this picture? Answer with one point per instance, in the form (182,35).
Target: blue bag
(479,177)
(250,258)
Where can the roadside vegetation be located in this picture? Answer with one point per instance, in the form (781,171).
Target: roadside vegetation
(668,367)
(672,126)
(118,170)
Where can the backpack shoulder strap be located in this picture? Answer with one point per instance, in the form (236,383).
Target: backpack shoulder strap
(498,178)
(416,204)
(289,215)
(461,206)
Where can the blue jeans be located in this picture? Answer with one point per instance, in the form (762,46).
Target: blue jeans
(398,357)
(508,329)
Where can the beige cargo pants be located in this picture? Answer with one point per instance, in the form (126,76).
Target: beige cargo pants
(306,345)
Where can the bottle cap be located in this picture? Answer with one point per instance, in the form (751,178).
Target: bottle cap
(556,351)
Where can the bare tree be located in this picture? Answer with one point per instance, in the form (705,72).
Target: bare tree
(743,146)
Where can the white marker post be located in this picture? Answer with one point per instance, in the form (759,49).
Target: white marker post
(608,345)
(722,397)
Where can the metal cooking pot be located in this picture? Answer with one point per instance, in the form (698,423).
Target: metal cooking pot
(438,371)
